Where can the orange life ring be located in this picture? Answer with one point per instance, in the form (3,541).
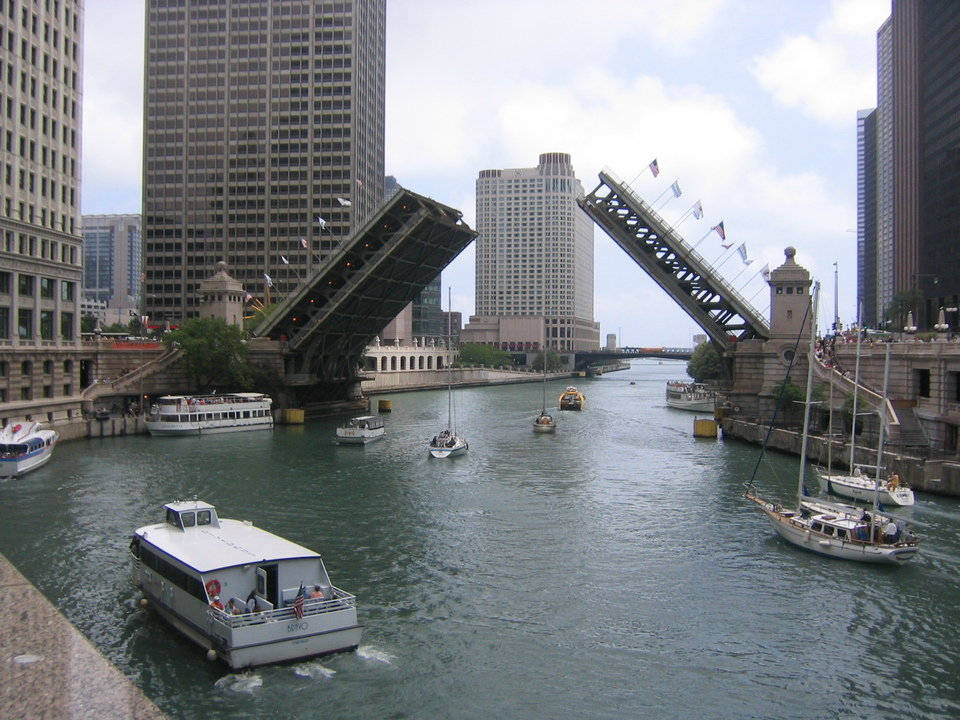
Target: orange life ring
(213,587)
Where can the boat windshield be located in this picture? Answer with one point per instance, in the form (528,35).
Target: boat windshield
(9,450)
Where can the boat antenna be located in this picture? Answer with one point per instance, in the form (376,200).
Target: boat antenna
(811,359)
(779,402)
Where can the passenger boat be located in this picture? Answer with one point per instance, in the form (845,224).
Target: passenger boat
(833,529)
(863,485)
(691,396)
(203,414)
(360,430)
(25,446)
(248,596)
(571,399)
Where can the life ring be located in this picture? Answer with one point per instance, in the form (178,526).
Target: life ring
(16,428)
(213,587)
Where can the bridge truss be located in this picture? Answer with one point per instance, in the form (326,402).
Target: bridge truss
(673,264)
(332,316)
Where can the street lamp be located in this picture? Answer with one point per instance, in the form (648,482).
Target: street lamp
(910,327)
(941,325)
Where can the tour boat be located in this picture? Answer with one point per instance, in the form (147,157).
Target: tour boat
(25,446)
(360,430)
(832,529)
(691,396)
(203,414)
(571,399)
(248,596)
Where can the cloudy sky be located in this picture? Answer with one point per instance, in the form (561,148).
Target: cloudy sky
(749,104)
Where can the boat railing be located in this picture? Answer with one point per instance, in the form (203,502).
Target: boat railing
(311,606)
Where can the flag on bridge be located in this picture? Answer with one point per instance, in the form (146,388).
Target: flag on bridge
(654,168)
(298,603)
(743,253)
(344,203)
(720,231)
(284,260)
(726,246)
(676,188)
(698,210)
(269,281)
(321,222)
(303,243)
(765,271)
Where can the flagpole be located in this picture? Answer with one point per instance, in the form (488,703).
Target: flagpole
(649,167)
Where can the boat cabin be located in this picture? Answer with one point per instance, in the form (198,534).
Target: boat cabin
(186,515)
(365,422)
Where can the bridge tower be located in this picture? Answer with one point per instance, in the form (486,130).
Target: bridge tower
(789,299)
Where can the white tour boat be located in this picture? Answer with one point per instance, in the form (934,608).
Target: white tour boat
(360,430)
(25,446)
(203,414)
(691,396)
(248,596)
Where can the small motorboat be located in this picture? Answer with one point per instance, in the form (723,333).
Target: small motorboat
(572,399)
(361,430)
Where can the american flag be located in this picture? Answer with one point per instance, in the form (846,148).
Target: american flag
(720,231)
(654,168)
(298,603)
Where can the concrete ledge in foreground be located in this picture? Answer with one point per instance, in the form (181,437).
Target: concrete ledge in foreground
(49,670)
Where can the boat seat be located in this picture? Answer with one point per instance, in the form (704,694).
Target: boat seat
(263,605)
(287,595)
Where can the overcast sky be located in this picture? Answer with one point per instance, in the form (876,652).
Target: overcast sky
(749,104)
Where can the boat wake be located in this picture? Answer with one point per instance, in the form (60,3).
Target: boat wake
(314,670)
(239,683)
(368,653)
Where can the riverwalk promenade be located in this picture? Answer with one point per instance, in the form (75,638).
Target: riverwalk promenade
(49,670)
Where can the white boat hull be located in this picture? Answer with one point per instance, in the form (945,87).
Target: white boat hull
(544,427)
(804,538)
(348,438)
(458,448)
(862,489)
(207,428)
(704,406)
(13,467)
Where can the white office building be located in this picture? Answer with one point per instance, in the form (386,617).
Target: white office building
(534,258)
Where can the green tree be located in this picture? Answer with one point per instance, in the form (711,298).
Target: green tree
(902,303)
(553,361)
(788,396)
(705,363)
(214,352)
(479,354)
(88,323)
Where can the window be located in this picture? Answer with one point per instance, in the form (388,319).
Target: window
(4,282)
(46,325)
(26,368)
(189,519)
(46,287)
(66,325)
(66,290)
(922,382)
(25,285)
(25,324)
(203,517)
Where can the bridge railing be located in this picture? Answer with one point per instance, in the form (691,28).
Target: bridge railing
(687,251)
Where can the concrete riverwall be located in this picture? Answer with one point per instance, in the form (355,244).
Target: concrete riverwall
(48,669)
(937,476)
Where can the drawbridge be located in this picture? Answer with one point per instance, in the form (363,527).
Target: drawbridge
(333,315)
(673,264)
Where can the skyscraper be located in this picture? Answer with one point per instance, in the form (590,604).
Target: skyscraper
(40,248)
(867,216)
(917,157)
(111,259)
(263,140)
(534,258)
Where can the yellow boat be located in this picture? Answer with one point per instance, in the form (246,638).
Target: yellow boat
(572,399)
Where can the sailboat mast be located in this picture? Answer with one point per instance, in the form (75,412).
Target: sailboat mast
(883,427)
(856,392)
(449,358)
(811,359)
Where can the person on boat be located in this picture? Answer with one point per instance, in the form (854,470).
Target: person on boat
(890,532)
(252,601)
(215,603)
(236,607)
(894,482)
(317,593)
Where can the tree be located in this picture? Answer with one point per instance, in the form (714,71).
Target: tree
(479,354)
(88,323)
(214,352)
(705,363)
(788,396)
(553,361)
(902,303)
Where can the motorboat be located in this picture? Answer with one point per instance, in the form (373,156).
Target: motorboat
(691,396)
(571,399)
(361,430)
(544,423)
(246,595)
(206,414)
(834,529)
(25,446)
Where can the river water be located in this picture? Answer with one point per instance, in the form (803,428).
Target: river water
(611,570)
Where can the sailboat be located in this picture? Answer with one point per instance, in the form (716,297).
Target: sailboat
(544,422)
(864,481)
(447,442)
(832,529)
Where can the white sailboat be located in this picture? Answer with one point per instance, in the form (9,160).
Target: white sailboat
(447,442)
(832,529)
(544,422)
